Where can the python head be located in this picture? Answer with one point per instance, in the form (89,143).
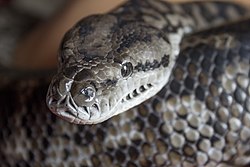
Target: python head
(108,65)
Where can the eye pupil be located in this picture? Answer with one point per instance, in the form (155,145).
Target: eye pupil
(127,69)
(89,93)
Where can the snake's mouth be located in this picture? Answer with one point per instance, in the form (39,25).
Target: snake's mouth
(68,110)
(137,92)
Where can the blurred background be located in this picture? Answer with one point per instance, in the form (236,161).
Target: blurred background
(30,31)
(18,18)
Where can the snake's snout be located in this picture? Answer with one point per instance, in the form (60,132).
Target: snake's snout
(69,111)
(72,101)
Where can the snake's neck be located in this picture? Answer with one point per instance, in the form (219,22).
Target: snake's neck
(181,18)
(176,20)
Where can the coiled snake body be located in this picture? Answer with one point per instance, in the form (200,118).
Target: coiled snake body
(110,63)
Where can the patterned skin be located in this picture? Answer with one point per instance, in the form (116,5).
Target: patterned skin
(200,118)
(110,63)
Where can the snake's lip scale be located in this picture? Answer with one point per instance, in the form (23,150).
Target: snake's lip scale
(66,114)
(137,92)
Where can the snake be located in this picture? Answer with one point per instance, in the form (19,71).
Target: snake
(159,84)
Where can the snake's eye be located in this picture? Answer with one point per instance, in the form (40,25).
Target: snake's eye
(127,69)
(83,95)
(88,94)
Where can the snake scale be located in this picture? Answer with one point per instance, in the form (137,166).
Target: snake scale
(201,117)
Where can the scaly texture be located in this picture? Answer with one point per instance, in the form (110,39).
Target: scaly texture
(201,117)
(113,62)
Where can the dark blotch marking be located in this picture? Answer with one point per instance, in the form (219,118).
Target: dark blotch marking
(244,51)
(189,150)
(140,123)
(215,139)
(224,99)
(120,156)
(219,61)
(109,82)
(137,141)
(95,160)
(216,74)
(155,103)
(219,128)
(49,130)
(155,64)
(31,155)
(182,60)
(139,67)
(130,39)
(206,65)
(66,154)
(65,136)
(195,55)
(152,65)
(100,134)
(86,25)
(200,93)
(143,67)
(175,86)
(238,94)
(85,29)
(165,61)
(189,83)
(153,120)
(89,137)
(28,132)
(45,143)
(24,121)
(231,55)
(185,92)
(147,65)
(133,153)
(210,121)
(77,139)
